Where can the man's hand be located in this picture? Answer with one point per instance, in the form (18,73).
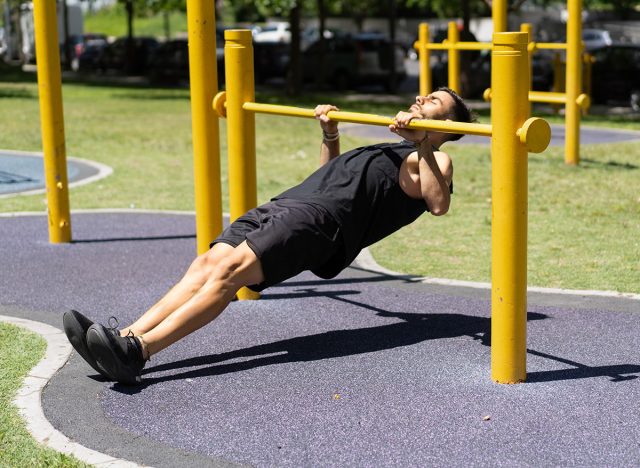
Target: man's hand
(399,127)
(321,111)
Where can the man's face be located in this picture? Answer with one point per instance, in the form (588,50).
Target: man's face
(436,106)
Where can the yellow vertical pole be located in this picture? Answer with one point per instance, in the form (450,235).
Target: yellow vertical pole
(241,134)
(424,56)
(52,120)
(454,57)
(203,75)
(499,15)
(573,82)
(527,28)
(509,85)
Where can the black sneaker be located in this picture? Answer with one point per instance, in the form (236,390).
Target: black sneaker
(120,356)
(75,327)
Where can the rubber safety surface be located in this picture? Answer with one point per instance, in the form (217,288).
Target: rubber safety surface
(362,370)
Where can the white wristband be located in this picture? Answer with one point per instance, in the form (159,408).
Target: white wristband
(330,136)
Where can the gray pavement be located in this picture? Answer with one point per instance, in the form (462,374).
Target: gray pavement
(363,370)
(588,135)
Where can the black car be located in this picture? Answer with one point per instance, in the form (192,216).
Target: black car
(86,62)
(355,60)
(615,74)
(78,44)
(113,58)
(169,63)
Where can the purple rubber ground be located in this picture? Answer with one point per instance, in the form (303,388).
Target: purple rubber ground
(363,370)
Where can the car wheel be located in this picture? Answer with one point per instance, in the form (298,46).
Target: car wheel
(635,100)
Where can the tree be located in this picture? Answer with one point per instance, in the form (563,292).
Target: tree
(292,9)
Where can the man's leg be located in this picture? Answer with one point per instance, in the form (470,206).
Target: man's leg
(191,282)
(123,358)
(224,276)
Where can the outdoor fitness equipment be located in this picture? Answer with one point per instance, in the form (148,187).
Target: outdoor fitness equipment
(206,148)
(52,120)
(573,98)
(512,135)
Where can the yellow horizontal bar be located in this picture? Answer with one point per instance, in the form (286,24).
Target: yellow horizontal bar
(455,46)
(547,96)
(551,45)
(473,45)
(370,119)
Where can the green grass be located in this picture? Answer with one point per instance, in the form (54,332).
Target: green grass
(20,350)
(583,222)
(113,22)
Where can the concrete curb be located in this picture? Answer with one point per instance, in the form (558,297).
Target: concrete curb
(103,171)
(366,260)
(29,397)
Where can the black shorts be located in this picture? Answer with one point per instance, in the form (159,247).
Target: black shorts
(289,237)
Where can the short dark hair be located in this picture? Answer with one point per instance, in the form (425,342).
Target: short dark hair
(460,113)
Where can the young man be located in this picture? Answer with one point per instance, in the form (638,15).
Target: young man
(352,201)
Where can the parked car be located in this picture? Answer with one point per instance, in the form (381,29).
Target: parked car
(113,57)
(169,62)
(87,60)
(615,75)
(271,60)
(78,44)
(355,60)
(595,38)
(273,32)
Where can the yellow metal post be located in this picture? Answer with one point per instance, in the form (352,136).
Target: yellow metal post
(573,82)
(454,57)
(203,74)
(424,56)
(52,120)
(241,139)
(499,15)
(528,29)
(509,85)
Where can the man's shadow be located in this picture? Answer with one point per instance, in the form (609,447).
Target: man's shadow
(412,329)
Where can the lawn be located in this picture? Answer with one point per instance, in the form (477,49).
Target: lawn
(113,22)
(20,350)
(583,221)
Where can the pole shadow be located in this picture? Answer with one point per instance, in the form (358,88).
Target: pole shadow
(412,328)
(129,239)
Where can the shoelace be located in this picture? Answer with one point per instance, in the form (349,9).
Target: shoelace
(113,324)
(134,341)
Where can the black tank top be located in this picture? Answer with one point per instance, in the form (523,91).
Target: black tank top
(361,190)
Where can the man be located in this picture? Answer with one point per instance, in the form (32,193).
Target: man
(352,201)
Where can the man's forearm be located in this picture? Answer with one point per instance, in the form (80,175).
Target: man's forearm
(329,150)
(433,186)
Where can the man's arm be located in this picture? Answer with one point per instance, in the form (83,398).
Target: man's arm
(435,172)
(435,178)
(330,147)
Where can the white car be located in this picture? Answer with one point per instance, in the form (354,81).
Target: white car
(594,38)
(273,32)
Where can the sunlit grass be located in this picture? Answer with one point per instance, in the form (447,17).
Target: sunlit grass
(583,221)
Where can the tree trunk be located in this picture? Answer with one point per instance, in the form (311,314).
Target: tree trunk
(322,17)
(393,84)
(465,56)
(166,25)
(293,78)
(66,44)
(130,58)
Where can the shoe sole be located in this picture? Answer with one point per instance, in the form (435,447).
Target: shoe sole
(76,334)
(100,346)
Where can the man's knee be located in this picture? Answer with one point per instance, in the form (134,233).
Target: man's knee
(239,267)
